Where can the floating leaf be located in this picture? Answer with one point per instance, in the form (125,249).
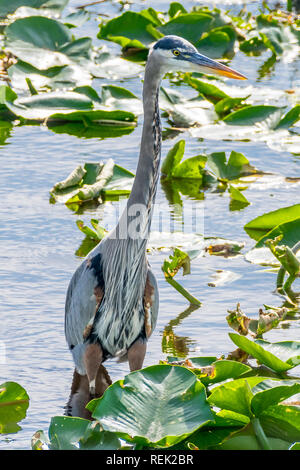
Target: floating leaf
(14,402)
(73,179)
(271,392)
(217,42)
(71,433)
(49,5)
(250,115)
(277,356)
(262,225)
(236,166)
(190,26)
(220,370)
(130,29)
(158,405)
(44,43)
(191,168)
(66,76)
(235,395)
(290,118)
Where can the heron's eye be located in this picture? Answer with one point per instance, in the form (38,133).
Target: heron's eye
(176,52)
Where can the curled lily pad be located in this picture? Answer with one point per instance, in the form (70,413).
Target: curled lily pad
(92,180)
(171,266)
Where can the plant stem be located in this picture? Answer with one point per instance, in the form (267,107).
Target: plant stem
(183,291)
(260,434)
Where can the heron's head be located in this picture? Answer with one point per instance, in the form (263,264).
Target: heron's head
(175,54)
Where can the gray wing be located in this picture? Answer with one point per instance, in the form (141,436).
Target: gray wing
(80,302)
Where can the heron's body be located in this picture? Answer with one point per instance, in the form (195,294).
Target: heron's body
(114,291)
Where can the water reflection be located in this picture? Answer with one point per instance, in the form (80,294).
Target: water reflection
(173,344)
(80,395)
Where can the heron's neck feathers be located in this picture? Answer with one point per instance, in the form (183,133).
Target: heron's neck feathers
(140,203)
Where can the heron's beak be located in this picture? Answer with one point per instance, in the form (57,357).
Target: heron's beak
(206,65)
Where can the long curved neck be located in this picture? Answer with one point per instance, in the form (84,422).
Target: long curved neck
(144,187)
(138,212)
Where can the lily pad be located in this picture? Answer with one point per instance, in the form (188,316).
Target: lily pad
(220,370)
(71,433)
(92,181)
(61,106)
(272,392)
(14,402)
(250,115)
(277,356)
(11,6)
(289,233)
(191,168)
(188,25)
(130,29)
(158,405)
(66,76)
(262,225)
(236,166)
(44,43)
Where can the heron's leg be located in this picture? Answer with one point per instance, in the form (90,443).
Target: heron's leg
(92,360)
(136,354)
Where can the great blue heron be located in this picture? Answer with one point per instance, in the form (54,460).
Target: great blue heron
(112,299)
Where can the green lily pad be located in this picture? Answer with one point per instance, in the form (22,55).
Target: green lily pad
(66,76)
(221,370)
(282,421)
(217,42)
(158,405)
(236,166)
(289,231)
(235,395)
(44,43)
(271,392)
(14,402)
(130,29)
(191,168)
(60,106)
(290,118)
(11,6)
(190,26)
(71,433)
(262,225)
(250,115)
(277,356)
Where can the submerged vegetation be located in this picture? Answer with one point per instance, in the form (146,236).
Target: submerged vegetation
(248,399)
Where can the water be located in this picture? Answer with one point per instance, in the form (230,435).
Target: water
(39,241)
